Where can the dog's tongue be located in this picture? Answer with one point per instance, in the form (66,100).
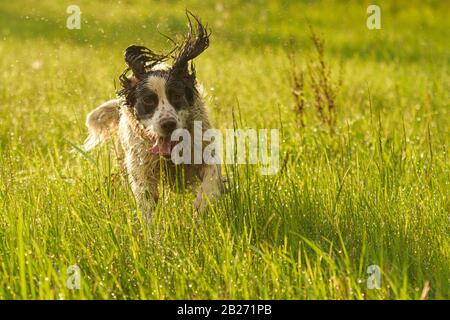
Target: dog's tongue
(162,147)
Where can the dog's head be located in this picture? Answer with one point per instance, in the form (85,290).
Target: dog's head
(162,96)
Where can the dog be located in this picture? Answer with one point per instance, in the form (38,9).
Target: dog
(156,99)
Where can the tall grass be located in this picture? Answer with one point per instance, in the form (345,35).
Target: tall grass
(375,192)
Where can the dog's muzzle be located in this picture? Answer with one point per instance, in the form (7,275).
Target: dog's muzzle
(163,145)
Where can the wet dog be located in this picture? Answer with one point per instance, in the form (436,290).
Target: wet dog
(156,99)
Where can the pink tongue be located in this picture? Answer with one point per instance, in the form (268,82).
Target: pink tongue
(162,147)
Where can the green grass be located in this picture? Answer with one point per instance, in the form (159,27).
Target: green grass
(373,193)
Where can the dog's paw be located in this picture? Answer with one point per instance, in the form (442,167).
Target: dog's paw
(200,203)
(205,197)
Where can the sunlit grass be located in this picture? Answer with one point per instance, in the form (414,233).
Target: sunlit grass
(373,193)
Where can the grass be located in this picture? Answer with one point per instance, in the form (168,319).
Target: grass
(373,191)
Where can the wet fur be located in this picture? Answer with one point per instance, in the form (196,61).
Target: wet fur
(143,167)
(152,97)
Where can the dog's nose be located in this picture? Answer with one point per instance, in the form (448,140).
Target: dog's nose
(168,125)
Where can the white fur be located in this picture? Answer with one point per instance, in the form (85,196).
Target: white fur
(164,109)
(101,123)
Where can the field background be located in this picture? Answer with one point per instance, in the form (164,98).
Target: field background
(374,192)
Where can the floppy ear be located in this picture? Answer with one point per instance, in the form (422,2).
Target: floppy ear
(193,45)
(140,60)
(128,84)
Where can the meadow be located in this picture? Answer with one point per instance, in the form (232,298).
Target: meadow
(368,188)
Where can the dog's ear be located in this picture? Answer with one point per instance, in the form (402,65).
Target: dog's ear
(140,60)
(128,84)
(193,45)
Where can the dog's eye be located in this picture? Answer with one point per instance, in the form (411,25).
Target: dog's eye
(150,102)
(177,99)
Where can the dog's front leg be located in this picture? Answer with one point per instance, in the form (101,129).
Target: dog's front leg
(147,205)
(210,188)
(146,199)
